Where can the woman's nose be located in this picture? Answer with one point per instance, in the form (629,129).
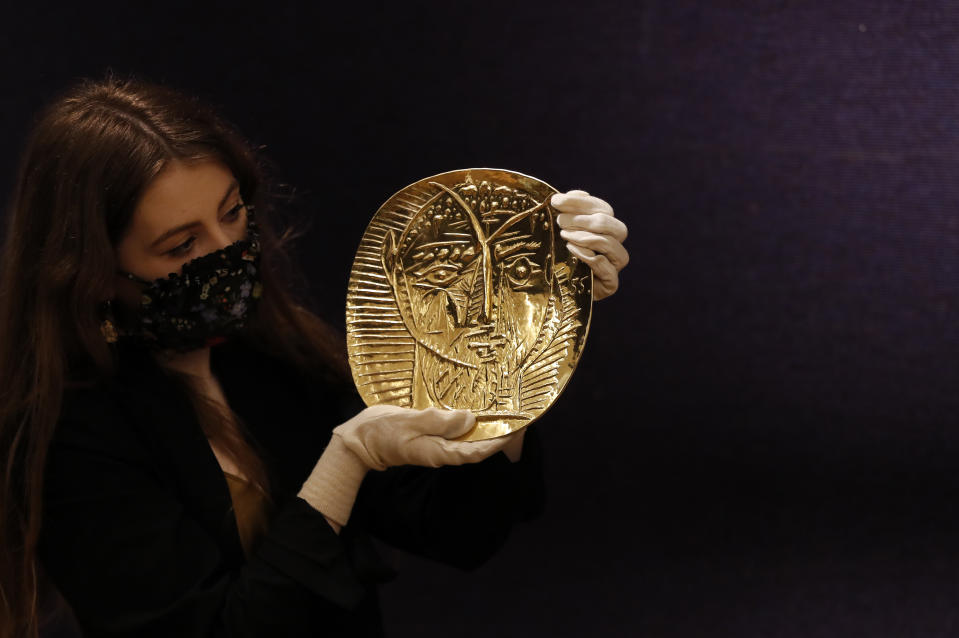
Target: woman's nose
(219,237)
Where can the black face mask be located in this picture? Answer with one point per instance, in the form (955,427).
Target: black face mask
(209,300)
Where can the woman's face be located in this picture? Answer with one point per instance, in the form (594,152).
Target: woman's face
(187,211)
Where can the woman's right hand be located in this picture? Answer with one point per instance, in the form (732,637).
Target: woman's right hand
(384,436)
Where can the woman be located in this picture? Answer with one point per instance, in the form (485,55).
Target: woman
(186,432)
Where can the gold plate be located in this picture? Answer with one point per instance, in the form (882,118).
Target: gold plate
(464,296)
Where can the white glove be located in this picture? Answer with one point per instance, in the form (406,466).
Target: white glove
(594,236)
(383,436)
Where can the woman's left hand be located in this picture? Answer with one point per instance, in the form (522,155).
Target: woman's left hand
(594,236)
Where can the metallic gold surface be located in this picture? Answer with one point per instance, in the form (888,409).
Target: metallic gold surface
(464,296)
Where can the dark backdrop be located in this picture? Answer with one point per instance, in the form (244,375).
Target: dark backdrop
(761,439)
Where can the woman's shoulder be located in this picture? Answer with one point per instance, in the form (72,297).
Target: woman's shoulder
(90,402)
(91,428)
(105,408)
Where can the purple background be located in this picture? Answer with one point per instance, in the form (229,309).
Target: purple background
(761,439)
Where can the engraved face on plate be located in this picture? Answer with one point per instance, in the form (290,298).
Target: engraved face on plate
(484,313)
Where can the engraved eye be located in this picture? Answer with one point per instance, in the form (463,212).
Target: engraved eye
(520,270)
(441,276)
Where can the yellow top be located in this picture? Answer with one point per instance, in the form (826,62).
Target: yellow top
(251,507)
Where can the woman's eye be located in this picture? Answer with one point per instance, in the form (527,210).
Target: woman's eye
(183,248)
(234,213)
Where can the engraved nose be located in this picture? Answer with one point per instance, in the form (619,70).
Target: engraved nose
(481,296)
(478,311)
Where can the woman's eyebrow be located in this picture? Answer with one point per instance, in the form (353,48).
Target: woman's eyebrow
(173,231)
(229,191)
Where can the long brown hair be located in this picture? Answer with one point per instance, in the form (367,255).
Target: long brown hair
(88,160)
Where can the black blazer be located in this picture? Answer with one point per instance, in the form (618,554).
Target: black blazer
(139,534)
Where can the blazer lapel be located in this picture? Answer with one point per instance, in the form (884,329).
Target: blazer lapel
(275,406)
(190,469)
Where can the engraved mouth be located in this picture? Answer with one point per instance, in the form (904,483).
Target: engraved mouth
(484,343)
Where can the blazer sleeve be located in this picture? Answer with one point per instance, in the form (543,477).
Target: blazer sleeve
(458,515)
(132,562)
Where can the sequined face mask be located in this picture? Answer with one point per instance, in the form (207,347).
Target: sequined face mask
(210,299)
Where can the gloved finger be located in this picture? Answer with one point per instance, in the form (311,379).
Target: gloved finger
(612,249)
(581,251)
(580,202)
(513,449)
(605,276)
(449,424)
(602,224)
(472,451)
(435,451)
(383,409)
